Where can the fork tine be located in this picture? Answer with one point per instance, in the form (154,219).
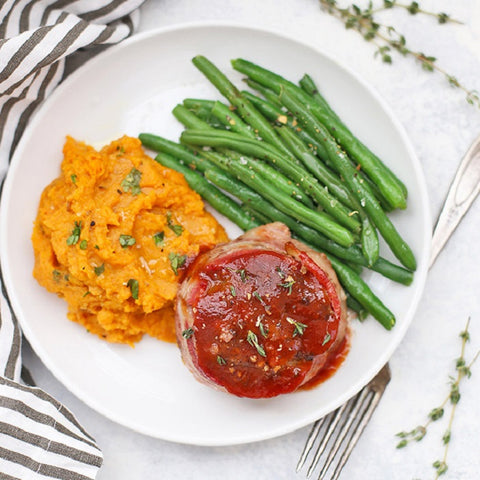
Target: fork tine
(312,436)
(345,427)
(334,419)
(364,419)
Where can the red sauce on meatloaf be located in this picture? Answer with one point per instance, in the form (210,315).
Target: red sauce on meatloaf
(260,319)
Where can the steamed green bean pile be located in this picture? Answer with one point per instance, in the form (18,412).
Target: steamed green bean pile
(280,153)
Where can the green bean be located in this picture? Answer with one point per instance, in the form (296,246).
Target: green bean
(364,195)
(316,148)
(369,237)
(317,220)
(246,110)
(317,168)
(222,112)
(223,204)
(352,304)
(269,173)
(361,292)
(160,144)
(348,141)
(308,85)
(189,119)
(295,172)
(270,95)
(390,186)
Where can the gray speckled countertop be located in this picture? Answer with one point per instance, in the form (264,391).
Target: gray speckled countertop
(441,127)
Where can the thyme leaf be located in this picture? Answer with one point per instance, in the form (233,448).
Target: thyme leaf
(463,370)
(299,327)
(187,333)
(252,339)
(388,40)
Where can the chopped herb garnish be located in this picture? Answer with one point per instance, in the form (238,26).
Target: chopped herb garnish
(176,261)
(132,182)
(99,270)
(261,326)
(326,339)
(133,285)
(159,238)
(187,333)
(75,235)
(233,291)
(221,360)
(73,177)
(288,284)
(56,275)
(97,247)
(253,341)
(240,271)
(243,274)
(126,241)
(299,327)
(280,272)
(258,297)
(176,229)
(83,245)
(86,293)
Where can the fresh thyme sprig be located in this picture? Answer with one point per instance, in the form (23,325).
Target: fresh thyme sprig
(388,40)
(463,370)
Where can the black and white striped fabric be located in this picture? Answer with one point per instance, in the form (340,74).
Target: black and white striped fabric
(40,40)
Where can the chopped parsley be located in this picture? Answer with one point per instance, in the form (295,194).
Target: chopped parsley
(133,285)
(56,275)
(252,339)
(176,261)
(131,183)
(126,241)
(299,327)
(73,177)
(159,238)
(326,339)
(233,291)
(75,235)
(83,245)
(176,229)
(99,270)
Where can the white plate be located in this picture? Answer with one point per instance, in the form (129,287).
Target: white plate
(132,88)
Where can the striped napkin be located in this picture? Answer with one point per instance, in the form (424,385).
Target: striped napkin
(40,42)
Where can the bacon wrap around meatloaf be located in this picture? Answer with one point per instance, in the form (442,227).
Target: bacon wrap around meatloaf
(261,315)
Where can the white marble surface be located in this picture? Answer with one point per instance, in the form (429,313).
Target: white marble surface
(441,126)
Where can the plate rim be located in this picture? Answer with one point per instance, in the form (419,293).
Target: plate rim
(420,274)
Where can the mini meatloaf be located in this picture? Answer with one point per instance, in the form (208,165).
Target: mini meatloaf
(261,315)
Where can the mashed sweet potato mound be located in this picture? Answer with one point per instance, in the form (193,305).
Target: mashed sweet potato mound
(111,235)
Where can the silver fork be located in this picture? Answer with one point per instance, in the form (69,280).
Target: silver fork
(339,431)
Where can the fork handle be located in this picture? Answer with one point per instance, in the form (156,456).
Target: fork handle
(463,191)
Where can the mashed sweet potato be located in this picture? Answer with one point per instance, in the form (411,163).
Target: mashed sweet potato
(111,236)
